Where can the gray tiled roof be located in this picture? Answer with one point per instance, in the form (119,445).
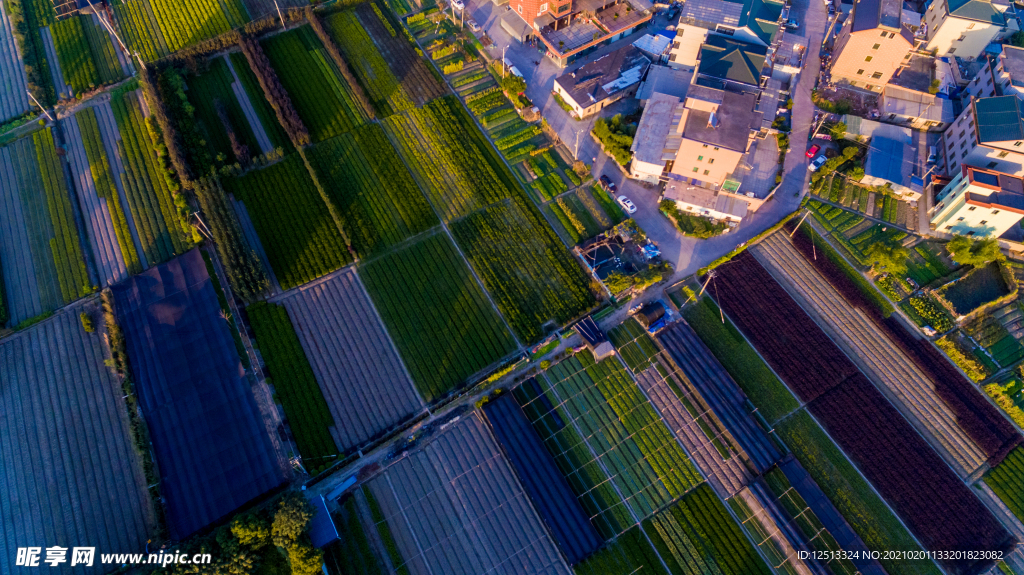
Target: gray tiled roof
(999,119)
(591,82)
(733,123)
(980,10)
(727,59)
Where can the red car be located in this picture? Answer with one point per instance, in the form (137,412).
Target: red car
(813,150)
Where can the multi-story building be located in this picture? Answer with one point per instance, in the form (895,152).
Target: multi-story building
(752,21)
(979,202)
(917,96)
(872,45)
(988,134)
(1010,71)
(732,65)
(610,78)
(965,27)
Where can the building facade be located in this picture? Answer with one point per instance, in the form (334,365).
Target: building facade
(965,27)
(980,203)
(989,134)
(595,85)
(871,46)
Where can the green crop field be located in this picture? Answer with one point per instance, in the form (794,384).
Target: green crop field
(264,112)
(219,113)
(74,49)
(630,553)
(158,27)
(436,313)
(382,86)
(378,199)
(298,235)
(1006,481)
(637,348)
(294,384)
(322,98)
(533,278)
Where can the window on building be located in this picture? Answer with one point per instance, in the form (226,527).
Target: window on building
(543,8)
(892,35)
(992,165)
(700,158)
(876,46)
(969,233)
(994,212)
(520,7)
(876,75)
(860,72)
(705,145)
(949,227)
(960,219)
(867,58)
(951,50)
(870,86)
(706,172)
(853,82)
(892,116)
(716,148)
(972,208)
(884,34)
(1003,154)
(695,170)
(983,222)
(1017,144)
(970,26)
(711,160)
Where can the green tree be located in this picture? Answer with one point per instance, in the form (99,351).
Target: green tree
(888,257)
(305,559)
(838,131)
(251,530)
(290,520)
(968,252)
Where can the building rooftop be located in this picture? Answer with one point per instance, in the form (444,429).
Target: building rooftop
(999,119)
(704,198)
(1013,63)
(729,127)
(892,157)
(1004,191)
(605,76)
(915,104)
(653,45)
(665,80)
(652,143)
(871,14)
(724,59)
(761,17)
(916,75)
(980,10)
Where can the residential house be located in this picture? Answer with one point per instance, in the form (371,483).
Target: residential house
(700,141)
(664,80)
(965,27)
(715,204)
(1010,71)
(872,45)
(893,158)
(571,29)
(731,65)
(988,134)
(979,202)
(918,94)
(755,22)
(595,85)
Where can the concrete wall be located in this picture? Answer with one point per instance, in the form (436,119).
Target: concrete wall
(851,63)
(646,171)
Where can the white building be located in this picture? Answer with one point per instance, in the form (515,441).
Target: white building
(965,27)
(980,203)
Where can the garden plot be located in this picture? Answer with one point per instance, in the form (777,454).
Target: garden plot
(979,287)
(13,83)
(367,388)
(908,387)
(589,412)
(213,448)
(220,114)
(64,90)
(260,8)
(436,313)
(455,507)
(155,28)
(69,471)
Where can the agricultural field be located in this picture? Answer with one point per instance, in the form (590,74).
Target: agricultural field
(548,490)
(247,88)
(927,494)
(380,203)
(979,287)
(65,445)
(113,247)
(450,158)
(580,215)
(1006,481)
(439,318)
(910,388)
(630,552)
(222,117)
(321,97)
(214,450)
(296,230)
(14,87)
(35,268)
(601,413)
(989,333)
(85,52)
(295,386)
(634,345)
(726,343)
(360,373)
(353,552)
(143,178)
(929,262)
(434,501)
(532,277)
(155,28)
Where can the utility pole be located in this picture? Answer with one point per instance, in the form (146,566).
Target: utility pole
(40,105)
(279,15)
(503,60)
(115,34)
(576,151)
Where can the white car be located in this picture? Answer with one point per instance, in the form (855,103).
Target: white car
(817,163)
(473,25)
(459,5)
(627,205)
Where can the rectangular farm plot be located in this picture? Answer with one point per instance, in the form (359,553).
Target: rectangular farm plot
(14,87)
(360,373)
(395,77)
(299,236)
(371,187)
(248,88)
(69,471)
(320,95)
(601,407)
(455,507)
(213,448)
(85,52)
(155,28)
(450,158)
(534,280)
(439,318)
(220,115)
(140,170)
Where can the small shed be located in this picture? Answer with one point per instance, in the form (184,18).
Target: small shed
(516,26)
(594,338)
(650,314)
(322,530)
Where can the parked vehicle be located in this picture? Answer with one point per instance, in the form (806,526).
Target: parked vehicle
(831,10)
(817,163)
(473,25)
(512,69)
(813,151)
(459,5)
(627,205)
(792,24)
(608,184)
(933,155)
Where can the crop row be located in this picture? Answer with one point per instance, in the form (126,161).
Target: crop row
(630,552)
(435,311)
(550,186)
(65,245)
(379,201)
(294,384)
(74,55)
(138,27)
(373,72)
(939,508)
(183,23)
(221,119)
(632,342)
(588,481)
(149,198)
(517,138)
(261,106)
(527,269)
(1006,480)
(103,177)
(323,101)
